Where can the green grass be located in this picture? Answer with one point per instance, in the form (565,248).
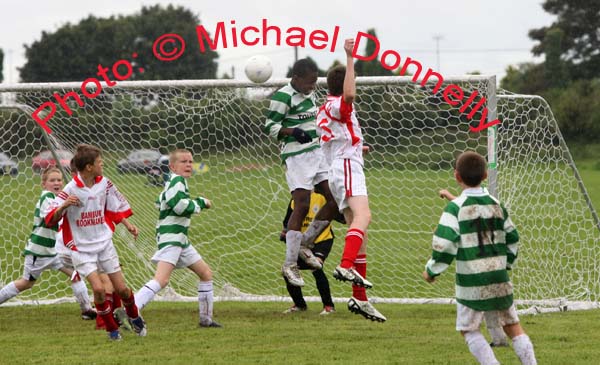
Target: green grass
(240,242)
(257,333)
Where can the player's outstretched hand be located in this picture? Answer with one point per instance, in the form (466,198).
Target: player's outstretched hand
(301,136)
(204,203)
(446,194)
(428,278)
(134,231)
(349,46)
(131,228)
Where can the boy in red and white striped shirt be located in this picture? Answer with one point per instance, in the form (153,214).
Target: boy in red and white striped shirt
(86,205)
(342,144)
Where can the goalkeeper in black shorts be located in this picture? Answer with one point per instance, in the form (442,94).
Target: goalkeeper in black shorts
(321,249)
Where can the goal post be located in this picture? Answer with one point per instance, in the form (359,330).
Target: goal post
(414,137)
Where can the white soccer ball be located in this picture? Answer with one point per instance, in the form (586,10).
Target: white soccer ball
(258,69)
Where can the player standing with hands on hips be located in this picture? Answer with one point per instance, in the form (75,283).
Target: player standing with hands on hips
(342,144)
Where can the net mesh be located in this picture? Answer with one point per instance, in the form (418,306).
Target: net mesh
(414,137)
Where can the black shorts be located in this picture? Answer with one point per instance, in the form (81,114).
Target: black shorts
(321,250)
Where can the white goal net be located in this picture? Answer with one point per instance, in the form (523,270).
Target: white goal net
(414,136)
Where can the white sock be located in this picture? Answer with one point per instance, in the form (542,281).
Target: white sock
(312,232)
(80,292)
(292,241)
(498,336)
(9,291)
(480,348)
(205,301)
(146,293)
(524,349)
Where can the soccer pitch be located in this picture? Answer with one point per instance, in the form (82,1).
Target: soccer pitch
(239,237)
(241,242)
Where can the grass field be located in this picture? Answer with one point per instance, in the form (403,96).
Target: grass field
(258,332)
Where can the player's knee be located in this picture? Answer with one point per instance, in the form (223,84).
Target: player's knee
(206,274)
(24,284)
(302,208)
(363,219)
(513,330)
(124,292)
(99,295)
(163,282)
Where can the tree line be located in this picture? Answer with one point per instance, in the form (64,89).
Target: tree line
(568,77)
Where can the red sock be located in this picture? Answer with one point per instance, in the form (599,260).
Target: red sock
(354,239)
(116,301)
(130,307)
(103,310)
(360,264)
(100,323)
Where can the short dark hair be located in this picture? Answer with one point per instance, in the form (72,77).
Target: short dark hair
(335,80)
(85,155)
(471,168)
(303,67)
(72,166)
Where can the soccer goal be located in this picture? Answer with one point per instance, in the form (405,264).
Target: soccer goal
(413,134)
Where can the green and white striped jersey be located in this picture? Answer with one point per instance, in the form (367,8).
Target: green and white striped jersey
(292,109)
(476,230)
(42,240)
(176,207)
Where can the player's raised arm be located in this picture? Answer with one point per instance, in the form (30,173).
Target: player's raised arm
(349,82)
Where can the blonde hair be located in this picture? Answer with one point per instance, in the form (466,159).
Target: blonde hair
(173,154)
(48,171)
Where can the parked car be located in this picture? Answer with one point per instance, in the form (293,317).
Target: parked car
(159,172)
(138,161)
(8,166)
(45,159)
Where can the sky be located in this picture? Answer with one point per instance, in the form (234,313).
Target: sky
(473,35)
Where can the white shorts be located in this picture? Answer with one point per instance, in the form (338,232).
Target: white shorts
(105,261)
(468,319)
(179,257)
(346,179)
(66,260)
(35,266)
(306,170)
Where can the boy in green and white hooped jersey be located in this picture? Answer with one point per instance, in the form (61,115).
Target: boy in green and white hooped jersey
(291,120)
(477,230)
(40,253)
(174,249)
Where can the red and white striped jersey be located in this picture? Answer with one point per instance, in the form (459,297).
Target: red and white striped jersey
(87,227)
(339,131)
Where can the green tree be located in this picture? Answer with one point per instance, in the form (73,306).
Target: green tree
(579,21)
(73,52)
(525,78)
(555,69)
(373,67)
